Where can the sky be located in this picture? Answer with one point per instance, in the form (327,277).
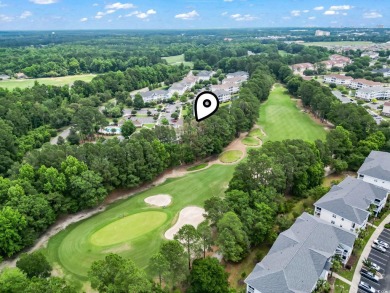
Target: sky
(190,14)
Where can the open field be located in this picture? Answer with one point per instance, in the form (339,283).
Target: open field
(343,43)
(57,81)
(281,119)
(177,60)
(75,248)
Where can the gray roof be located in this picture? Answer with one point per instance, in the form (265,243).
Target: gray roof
(204,73)
(351,199)
(376,165)
(238,73)
(298,256)
(382,70)
(221,92)
(373,89)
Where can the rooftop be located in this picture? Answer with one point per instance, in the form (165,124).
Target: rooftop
(351,199)
(376,165)
(299,256)
(339,76)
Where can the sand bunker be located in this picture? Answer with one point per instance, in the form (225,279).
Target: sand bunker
(160,200)
(188,215)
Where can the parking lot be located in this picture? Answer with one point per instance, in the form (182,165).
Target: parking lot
(382,260)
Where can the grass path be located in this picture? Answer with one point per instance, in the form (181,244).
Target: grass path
(57,81)
(282,119)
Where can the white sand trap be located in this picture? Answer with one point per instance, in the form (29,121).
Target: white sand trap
(188,215)
(160,200)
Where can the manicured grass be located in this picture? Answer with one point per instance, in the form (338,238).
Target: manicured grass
(282,53)
(281,119)
(197,167)
(128,228)
(342,43)
(73,250)
(230,156)
(250,141)
(151,125)
(341,287)
(57,81)
(177,60)
(256,133)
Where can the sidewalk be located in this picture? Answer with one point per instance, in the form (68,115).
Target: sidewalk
(365,253)
(342,279)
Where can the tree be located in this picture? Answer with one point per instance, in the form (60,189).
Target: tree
(34,265)
(164,121)
(128,128)
(116,274)
(208,276)
(336,264)
(232,240)
(189,237)
(174,115)
(322,286)
(138,102)
(7,147)
(206,237)
(177,261)
(73,138)
(369,265)
(12,226)
(158,265)
(12,280)
(52,285)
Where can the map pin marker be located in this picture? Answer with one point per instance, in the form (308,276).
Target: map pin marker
(205,105)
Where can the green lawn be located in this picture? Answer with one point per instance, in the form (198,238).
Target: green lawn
(255,133)
(121,227)
(230,156)
(177,60)
(250,141)
(281,119)
(57,81)
(341,287)
(197,167)
(282,53)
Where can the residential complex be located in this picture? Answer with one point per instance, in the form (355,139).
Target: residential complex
(300,256)
(301,67)
(347,204)
(303,254)
(384,71)
(377,92)
(386,109)
(363,83)
(320,33)
(338,79)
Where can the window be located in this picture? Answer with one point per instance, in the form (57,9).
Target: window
(334,216)
(353,225)
(332,222)
(341,226)
(361,176)
(251,289)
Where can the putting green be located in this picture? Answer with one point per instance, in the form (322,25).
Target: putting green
(128,228)
(230,156)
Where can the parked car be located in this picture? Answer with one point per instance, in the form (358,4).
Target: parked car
(375,266)
(382,243)
(379,247)
(369,275)
(364,286)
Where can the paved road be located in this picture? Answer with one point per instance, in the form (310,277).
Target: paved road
(367,254)
(64,134)
(344,100)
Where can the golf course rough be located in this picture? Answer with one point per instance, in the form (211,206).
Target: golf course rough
(128,228)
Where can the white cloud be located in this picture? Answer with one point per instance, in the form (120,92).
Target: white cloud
(330,12)
(295,12)
(305,11)
(84,19)
(119,5)
(5,18)
(2,4)
(187,16)
(344,13)
(224,13)
(95,4)
(43,2)
(312,17)
(286,17)
(372,14)
(341,7)
(246,17)
(25,14)
(110,11)
(319,8)
(228,0)
(142,15)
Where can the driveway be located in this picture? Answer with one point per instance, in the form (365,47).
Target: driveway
(64,134)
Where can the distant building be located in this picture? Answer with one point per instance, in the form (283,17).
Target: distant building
(370,93)
(204,75)
(242,74)
(384,71)
(236,80)
(177,87)
(223,95)
(338,79)
(300,256)
(371,54)
(20,75)
(363,83)
(320,33)
(386,109)
(153,96)
(232,88)
(301,67)
(4,77)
